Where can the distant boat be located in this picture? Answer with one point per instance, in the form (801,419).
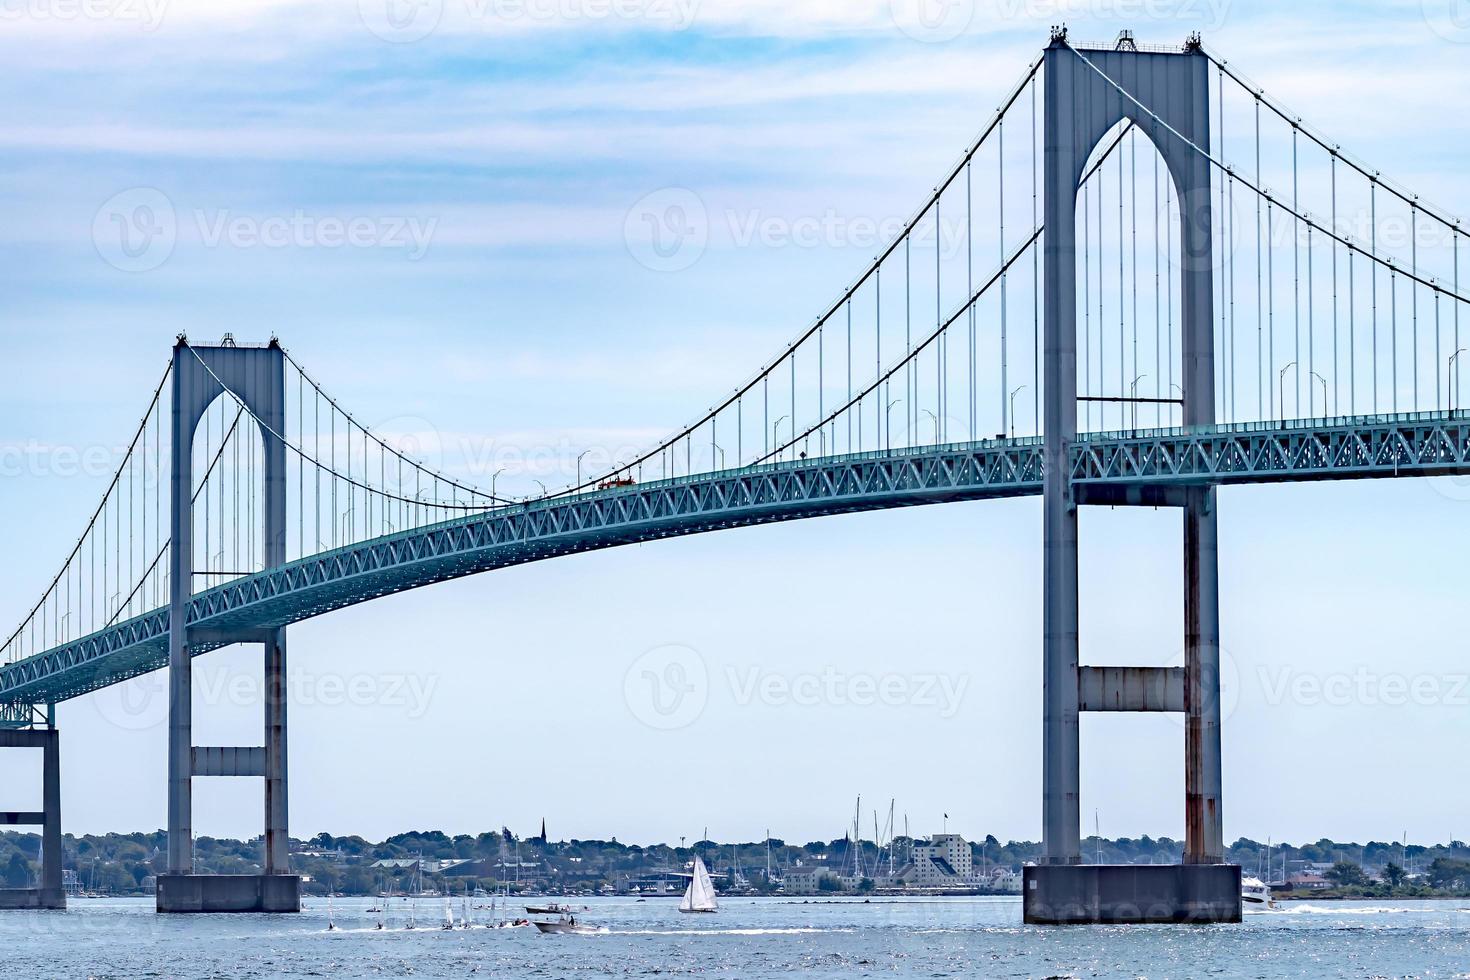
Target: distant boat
(552,909)
(331,925)
(448,916)
(1254,891)
(569,924)
(700,895)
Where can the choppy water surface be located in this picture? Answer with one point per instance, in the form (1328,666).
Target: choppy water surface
(748,939)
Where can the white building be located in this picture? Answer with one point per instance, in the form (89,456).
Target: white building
(943,862)
(807,879)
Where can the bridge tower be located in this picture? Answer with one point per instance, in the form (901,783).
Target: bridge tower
(256,376)
(1083,102)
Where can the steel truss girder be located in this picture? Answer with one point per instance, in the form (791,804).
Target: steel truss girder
(1426,444)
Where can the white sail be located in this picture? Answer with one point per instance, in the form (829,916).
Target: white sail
(700,895)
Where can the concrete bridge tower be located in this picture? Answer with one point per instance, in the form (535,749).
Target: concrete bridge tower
(255,375)
(1083,102)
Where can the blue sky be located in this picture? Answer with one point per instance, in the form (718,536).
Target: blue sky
(499,306)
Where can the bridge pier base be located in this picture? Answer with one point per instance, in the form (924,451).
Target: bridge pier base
(51,894)
(229,893)
(1061,894)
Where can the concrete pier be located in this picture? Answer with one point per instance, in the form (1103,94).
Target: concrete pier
(229,893)
(1128,893)
(50,894)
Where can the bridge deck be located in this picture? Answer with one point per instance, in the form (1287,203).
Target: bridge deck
(1419,444)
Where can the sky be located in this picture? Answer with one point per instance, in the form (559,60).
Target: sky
(493,154)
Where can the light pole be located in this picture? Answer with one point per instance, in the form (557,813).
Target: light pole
(774,437)
(579,467)
(1281,388)
(493,477)
(888,425)
(1450,380)
(721,452)
(936,425)
(1133,398)
(1324,395)
(1013,409)
(542,486)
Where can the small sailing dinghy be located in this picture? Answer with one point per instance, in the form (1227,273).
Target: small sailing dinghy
(700,895)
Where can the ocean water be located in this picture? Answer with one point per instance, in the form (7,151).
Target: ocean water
(749,939)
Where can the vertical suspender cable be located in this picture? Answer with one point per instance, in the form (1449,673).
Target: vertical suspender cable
(1296,282)
(1035,276)
(1414,301)
(1263,371)
(1004,366)
(1373,273)
(1336,360)
(1087,296)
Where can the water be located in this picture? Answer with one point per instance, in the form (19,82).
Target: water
(749,939)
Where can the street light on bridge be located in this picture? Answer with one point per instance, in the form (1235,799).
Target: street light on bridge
(1013,409)
(1281,385)
(1450,377)
(579,466)
(1324,395)
(936,425)
(888,425)
(776,438)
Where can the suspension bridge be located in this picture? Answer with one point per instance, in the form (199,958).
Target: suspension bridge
(1144,279)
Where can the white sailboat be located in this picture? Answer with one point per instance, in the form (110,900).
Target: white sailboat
(700,895)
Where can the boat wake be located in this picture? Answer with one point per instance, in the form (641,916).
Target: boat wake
(726,932)
(1347,910)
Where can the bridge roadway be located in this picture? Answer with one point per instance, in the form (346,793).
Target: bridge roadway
(1145,466)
